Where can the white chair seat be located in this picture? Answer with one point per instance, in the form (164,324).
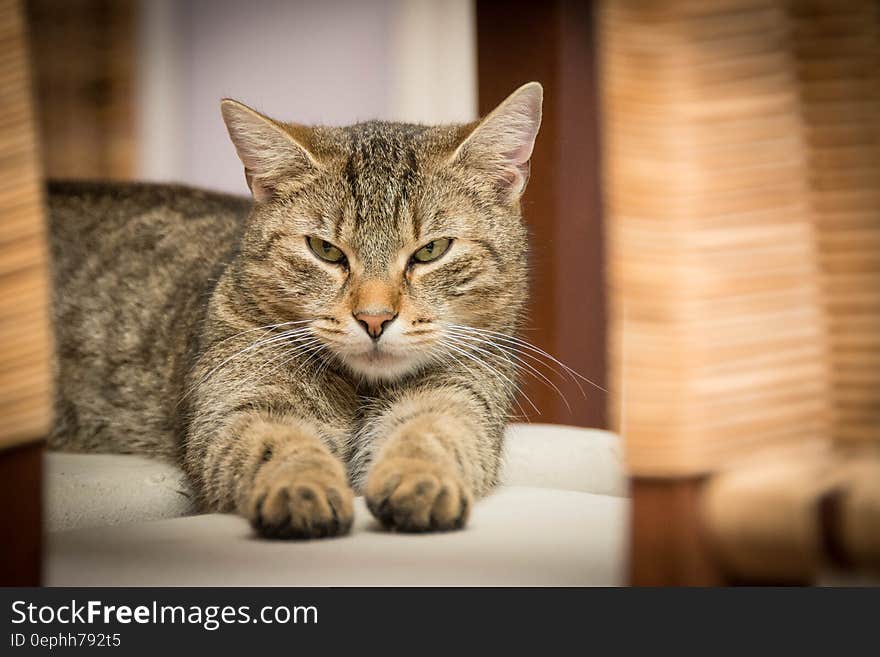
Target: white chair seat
(558,519)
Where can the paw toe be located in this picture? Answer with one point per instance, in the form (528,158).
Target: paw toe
(302,508)
(416,497)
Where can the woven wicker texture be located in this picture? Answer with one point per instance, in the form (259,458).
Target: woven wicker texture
(718,340)
(837,45)
(24,325)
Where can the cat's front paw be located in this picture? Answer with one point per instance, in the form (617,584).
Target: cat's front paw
(416,495)
(288,502)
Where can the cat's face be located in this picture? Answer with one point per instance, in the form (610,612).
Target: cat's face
(387,237)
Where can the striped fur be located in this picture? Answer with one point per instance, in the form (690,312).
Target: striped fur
(202,328)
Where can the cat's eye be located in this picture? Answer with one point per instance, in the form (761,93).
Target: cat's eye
(432,250)
(325,250)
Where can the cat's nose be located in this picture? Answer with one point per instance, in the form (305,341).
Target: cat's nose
(374,323)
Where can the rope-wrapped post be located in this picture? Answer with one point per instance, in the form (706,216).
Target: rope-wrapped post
(718,341)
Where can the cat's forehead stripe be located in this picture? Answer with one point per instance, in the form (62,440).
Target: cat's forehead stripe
(382,172)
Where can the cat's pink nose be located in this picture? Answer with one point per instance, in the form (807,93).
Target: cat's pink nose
(374,322)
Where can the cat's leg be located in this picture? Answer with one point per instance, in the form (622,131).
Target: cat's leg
(278,472)
(431,453)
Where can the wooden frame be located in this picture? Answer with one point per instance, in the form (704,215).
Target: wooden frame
(552,42)
(25,333)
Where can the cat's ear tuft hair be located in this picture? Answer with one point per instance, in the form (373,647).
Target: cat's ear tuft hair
(268,151)
(501,143)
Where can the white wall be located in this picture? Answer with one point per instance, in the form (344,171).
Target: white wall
(434,61)
(311,61)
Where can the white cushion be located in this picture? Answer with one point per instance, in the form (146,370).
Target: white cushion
(558,519)
(94,490)
(569,458)
(517,537)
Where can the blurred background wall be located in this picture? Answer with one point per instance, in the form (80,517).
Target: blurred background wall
(140,98)
(333,62)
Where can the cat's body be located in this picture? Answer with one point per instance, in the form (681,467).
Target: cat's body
(133,268)
(341,331)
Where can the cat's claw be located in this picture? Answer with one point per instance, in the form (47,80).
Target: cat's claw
(415,495)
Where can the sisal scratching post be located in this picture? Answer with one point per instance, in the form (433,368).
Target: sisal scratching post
(837,45)
(718,336)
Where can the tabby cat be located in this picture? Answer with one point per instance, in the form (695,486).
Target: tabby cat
(346,329)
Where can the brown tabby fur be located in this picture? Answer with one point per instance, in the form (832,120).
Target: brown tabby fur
(162,292)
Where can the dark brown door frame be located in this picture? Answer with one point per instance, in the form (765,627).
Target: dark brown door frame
(552,42)
(21,470)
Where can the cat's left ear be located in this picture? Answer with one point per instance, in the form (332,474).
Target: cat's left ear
(501,144)
(268,149)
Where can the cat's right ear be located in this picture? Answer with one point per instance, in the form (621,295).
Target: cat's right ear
(269,152)
(500,145)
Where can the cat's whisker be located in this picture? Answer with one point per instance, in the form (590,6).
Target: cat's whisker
(308,353)
(531,347)
(312,355)
(263,342)
(520,364)
(280,337)
(267,327)
(298,349)
(528,345)
(290,336)
(530,351)
(507,348)
(284,358)
(517,390)
(493,370)
(448,354)
(323,367)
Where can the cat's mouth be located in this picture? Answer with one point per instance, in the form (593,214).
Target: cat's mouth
(383,356)
(377,355)
(381,363)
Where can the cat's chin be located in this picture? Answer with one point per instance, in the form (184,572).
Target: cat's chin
(381,365)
